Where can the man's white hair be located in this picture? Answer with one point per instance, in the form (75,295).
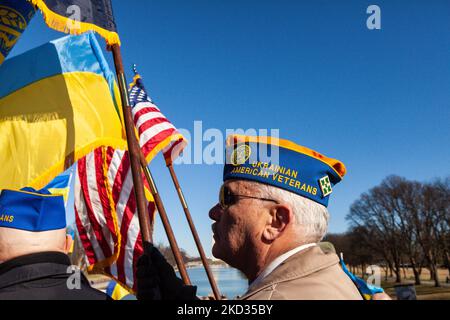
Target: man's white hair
(311,217)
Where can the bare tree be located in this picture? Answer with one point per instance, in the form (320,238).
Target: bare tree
(435,217)
(406,219)
(402,199)
(442,203)
(166,251)
(373,212)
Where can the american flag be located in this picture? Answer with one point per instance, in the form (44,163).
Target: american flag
(156,133)
(105,205)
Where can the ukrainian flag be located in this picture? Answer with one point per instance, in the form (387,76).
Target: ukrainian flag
(58,102)
(61,185)
(365,289)
(117,292)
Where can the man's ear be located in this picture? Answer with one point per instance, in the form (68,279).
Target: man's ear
(281,216)
(68,244)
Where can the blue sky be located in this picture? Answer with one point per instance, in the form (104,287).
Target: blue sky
(378,100)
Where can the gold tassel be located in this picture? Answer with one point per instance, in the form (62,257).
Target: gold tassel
(62,24)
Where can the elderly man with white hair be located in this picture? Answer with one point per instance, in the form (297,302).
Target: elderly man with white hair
(272,212)
(271,215)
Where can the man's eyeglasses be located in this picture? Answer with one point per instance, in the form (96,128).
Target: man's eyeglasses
(228,198)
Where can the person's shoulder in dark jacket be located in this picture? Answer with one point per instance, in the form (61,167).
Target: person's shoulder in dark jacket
(44,276)
(33,247)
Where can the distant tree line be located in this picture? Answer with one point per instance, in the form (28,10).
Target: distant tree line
(399,223)
(168,254)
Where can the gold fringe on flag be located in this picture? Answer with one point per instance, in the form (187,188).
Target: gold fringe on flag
(63,24)
(100,265)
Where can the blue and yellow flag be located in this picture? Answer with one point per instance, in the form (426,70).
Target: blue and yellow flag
(58,102)
(366,290)
(14,18)
(117,292)
(61,185)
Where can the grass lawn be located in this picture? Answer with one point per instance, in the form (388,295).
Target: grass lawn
(423,292)
(426,291)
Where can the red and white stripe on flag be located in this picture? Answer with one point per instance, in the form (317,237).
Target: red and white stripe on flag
(156,132)
(105,205)
(106,214)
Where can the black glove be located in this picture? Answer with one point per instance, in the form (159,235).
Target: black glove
(155,274)
(147,277)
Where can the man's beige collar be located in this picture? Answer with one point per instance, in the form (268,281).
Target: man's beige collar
(279,260)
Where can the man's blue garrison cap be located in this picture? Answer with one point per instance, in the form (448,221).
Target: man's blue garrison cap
(283,164)
(32,210)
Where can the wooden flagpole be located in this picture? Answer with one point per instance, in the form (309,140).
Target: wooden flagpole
(136,157)
(165,221)
(187,212)
(133,149)
(168,228)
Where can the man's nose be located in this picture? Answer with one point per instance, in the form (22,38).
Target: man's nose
(214,212)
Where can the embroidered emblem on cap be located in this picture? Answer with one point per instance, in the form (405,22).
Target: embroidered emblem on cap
(325,186)
(240,154)
(282,164)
